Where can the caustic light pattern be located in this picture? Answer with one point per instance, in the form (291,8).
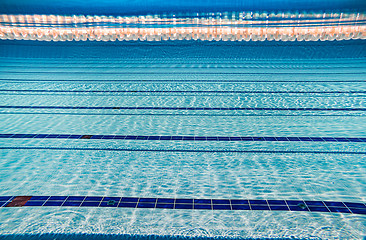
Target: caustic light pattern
(236,26)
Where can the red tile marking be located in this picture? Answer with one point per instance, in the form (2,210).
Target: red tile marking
(19,201)
(86,136)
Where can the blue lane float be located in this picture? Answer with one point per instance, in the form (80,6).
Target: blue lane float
(184,203)
(186,138)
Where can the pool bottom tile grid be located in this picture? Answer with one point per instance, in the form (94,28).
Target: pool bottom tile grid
(183,203)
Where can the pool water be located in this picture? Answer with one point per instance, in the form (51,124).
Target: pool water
(190,88)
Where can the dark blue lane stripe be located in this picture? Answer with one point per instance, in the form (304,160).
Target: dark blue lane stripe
(180,150)
(182,114)
(173,91)
(184,203)
(247,64)
(163,81)
(186,138)
(136,65)
(186,108)
(188,72)
(253,63)
(250,63)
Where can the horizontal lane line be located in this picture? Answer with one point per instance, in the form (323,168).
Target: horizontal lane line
(191,73)
(186,108)
(203,62)
(165,91)
(186,138)
(181,150)
(185,203)
(333,95)
(180,81)
(171,60)
(179,114)
(173,66)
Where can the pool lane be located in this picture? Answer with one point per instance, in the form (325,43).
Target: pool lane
(184,203)
(188,108)
(186,138)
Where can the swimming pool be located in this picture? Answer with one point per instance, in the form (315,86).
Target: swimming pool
(256,139)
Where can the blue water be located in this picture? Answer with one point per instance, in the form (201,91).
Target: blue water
(276,75)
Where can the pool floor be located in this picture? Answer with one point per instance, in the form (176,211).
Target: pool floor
(183,139)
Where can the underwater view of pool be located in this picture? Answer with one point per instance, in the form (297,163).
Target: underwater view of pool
(159,124)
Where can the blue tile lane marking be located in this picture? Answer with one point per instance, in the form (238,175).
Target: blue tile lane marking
(127,204)
(197,73)
(186,138)
(354,205)
(203,207)
(165,205)
(34,203)
(75,198)
(39,198)
(241,207)
(90,204)
(57,198)
(339,210)
(189,108)
(177,91)
(165,201)
(53,203)
(279,208)
(5,198)
(71,204)
(358,210)
(184,203)
(93,199)
(203,201)
(163,81)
